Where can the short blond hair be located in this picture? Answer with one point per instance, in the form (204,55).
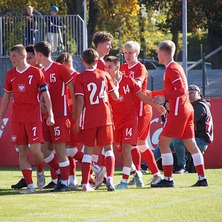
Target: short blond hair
(19,48)
(132,45)
(167,46)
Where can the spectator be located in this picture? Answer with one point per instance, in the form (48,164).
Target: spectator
(54,26)
(31,26)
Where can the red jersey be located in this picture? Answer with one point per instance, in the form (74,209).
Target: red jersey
(68,95)
(176,89)
(139,73)
(123,109)
(101,64)
(25,88)
(94,84)
(57,76)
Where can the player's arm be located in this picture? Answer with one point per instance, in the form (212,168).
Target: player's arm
(46,96)
(78,108)
(72,92)
(115,94)
(146,99)
(4,106)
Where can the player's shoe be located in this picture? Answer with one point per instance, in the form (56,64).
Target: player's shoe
(110,187)
(87,188)
(92,182)
(20,184)
(138,179)
(28,191)
(100,176)
(156,179)
(50,185)
(73,186)
(122,186)
(164,183)
(132,182)
(60,187)
(201,183)
(40,180)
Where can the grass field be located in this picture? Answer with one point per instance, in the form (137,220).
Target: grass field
(181,203)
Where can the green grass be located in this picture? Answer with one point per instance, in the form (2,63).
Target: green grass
(182,203)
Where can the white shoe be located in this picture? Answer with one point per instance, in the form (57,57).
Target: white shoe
(156,179)
(28,191)
(40,180)
(87,188)
(100,177)
(138,179)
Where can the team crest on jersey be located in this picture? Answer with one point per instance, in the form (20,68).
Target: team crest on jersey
(21,87)
(131,74)
(14,138)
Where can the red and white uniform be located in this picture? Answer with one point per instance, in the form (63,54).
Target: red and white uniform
(144,111)
(94,85)
(101,64)
(181,111)
(57,77)
(26,107)
(124,113)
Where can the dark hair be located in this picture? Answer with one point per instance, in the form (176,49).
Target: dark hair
(64,57)
(113,59)
(44,47)
(89,56)
(19,48)
(30,48)
(100,37)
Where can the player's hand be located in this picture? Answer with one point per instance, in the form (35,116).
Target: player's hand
(50,120)
(159,100)
(149,93)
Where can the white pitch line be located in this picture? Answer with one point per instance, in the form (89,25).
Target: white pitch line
(120,214)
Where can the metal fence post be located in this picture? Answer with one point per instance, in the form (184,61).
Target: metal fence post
(203,74)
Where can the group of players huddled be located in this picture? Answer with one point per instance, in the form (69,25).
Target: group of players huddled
(63,116)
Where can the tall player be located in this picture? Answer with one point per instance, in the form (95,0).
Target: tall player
(102,41)
(124,114)
(72,147)
(24,81)
(95,122)
(180,121)
(58,78)
(137,70)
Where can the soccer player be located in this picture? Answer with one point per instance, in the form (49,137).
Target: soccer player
(137,70)
(58,78)
(102,41)
(124,114)
(71,148)
(180,121)
(24,81)
(95,123)
(31,60)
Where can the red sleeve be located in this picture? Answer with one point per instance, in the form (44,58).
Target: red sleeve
(66,77)
(8,85)
(110,83)
(177,82)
